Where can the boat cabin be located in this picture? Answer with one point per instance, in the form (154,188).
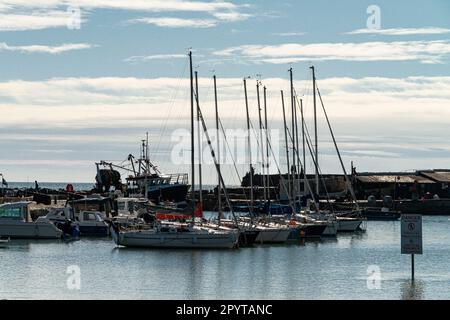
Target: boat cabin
(16,211)
(95,203)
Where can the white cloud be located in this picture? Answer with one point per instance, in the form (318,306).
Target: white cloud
(402,31)
(113,97)
(381,123)
(423,51)
(231,16)
(176,22)
(17,15)
(138,5)
(135,59)
(33,20)
(289,34)
(45,49)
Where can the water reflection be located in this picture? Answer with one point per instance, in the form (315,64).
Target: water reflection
(412,290)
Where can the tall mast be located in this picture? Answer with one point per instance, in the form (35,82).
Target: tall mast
(292,132)
(199,145)
(297,170)
(315,133)
(192,137)
(219,192)
(303,145)
(249,150)
(262,141)
(286,142)
(267,145)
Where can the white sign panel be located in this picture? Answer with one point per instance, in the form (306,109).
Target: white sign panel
(411,234)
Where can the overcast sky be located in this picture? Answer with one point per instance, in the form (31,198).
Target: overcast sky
(71,95)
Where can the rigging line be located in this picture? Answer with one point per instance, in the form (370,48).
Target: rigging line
(268,137)
(306,180)
(205,130)
(232,157)
(339,154)
(255,134)
(283,180)
(309,143)
(163,126)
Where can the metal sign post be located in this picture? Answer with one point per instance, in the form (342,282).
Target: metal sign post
(411,237)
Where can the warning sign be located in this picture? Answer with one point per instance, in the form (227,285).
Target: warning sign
(411,234)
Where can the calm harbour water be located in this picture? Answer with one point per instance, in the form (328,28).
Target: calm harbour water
(326,269)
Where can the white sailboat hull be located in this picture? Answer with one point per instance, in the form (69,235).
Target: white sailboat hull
(152,239)
(272,235)
(348,224)
(29,230)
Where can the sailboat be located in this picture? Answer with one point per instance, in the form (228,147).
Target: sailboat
(298,226)
(167,234)
(247,233)
(344,221)
(269,232)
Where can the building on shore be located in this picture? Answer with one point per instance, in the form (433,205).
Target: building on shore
(398,185)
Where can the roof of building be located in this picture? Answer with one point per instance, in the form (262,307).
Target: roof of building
(437,175)
(392,178)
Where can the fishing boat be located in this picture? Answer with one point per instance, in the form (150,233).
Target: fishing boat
(144,178)
(16,222)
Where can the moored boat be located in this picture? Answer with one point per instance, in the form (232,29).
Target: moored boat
(383,214)
(88,223)
(16,222)
(271,234)
(348,224)
(181,236)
